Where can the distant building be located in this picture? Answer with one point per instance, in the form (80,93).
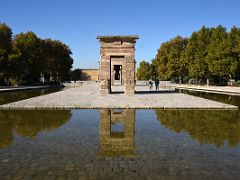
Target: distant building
(89,74)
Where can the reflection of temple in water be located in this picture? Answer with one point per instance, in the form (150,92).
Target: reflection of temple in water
(117,132)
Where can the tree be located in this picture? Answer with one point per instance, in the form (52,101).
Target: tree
(57,60)
(169,62)
(196,53)
(26,57)
(220,60)
(161,60)
(75,74)
(209,53)
(235,49)
(144,71)
(26,60)
(65,62)
(5,50)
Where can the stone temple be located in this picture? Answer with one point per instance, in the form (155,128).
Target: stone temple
(117,63)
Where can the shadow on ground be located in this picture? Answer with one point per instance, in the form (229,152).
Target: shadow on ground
(156,92)
(148,92)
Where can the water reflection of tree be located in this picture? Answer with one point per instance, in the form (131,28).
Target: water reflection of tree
(206,126)
(6,134)
(7,97)
(229,99)
(29,123)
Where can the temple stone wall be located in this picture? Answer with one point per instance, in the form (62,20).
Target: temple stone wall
(89,74)
(117,50)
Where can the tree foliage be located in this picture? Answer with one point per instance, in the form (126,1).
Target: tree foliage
(58,61)
(144,71)
(76,74)
(5,49)
(26,58)
(169,62)
(220,60)
(210,53)
(196,52)
(234,38)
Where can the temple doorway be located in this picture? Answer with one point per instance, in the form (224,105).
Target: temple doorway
(117,74)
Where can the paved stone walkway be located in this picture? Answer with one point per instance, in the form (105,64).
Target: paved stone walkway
(87,96)
(211,89)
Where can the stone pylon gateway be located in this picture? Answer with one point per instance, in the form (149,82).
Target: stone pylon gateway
(117,63)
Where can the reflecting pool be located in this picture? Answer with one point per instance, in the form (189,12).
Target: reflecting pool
(225,98)
(7,97)
(120,144)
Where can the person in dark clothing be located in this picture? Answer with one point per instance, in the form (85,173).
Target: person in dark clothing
(157,84)
(150,85)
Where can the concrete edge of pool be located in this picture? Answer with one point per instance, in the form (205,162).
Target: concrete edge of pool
(229,107)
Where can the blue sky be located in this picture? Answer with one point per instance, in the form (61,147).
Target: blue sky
(78,22)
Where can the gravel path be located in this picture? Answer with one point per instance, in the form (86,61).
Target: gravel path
(87,96)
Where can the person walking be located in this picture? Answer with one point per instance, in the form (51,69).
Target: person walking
(157,84)
(150,84)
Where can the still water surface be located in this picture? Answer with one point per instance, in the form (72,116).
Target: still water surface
(7,97)
(225,98)
(112,144)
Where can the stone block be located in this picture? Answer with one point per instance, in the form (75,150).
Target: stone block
(104,91)
(104,74)
(129,91)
